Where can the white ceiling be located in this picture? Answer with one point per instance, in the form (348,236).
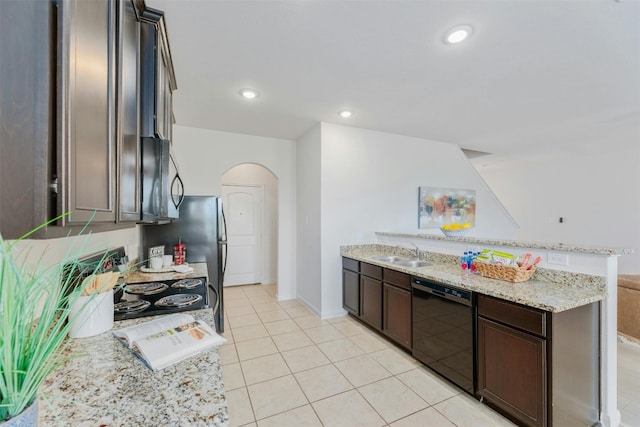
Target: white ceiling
(537,77)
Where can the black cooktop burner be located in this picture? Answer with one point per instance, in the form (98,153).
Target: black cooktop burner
(187,283)
(131,306)
(162,297)
(146,288)
(178,300)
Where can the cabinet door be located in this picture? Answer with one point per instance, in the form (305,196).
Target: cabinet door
(129,160)
(162,83)
(351,292)
(89,113)
(371,301)
(512,371)
(396,314)
(27,115)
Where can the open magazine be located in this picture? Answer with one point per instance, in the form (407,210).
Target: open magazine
(169,339)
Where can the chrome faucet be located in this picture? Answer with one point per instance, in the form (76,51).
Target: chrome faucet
(417,252)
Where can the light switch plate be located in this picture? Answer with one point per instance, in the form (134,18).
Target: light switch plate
(558,259)
(156,251)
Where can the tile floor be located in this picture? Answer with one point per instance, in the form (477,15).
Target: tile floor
(283,366)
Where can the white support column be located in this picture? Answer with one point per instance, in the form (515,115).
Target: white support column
(610,415)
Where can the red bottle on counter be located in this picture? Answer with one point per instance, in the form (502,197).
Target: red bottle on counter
(179,253)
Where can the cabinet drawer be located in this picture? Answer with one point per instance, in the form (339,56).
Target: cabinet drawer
(350,264)
(525,318)
(372,271)
(402,280)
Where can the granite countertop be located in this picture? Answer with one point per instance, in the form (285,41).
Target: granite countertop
(107,385)
(137,276)
(561,247)
(548,290)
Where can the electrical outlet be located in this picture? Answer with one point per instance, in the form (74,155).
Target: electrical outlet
(559,259)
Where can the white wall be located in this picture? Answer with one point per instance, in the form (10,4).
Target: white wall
(309,231)
(45,253)
(252,174)
(598,196)
(370,183)
(203,156)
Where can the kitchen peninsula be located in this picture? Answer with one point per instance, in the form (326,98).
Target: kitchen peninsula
(579,288)
(106,384)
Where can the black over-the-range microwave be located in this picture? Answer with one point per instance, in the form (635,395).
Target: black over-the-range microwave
(162,188)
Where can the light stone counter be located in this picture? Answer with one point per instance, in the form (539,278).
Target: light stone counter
(548,290)
(560,247)
(137,276)
(109,386)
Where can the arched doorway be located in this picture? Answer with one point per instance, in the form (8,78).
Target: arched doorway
(250,198)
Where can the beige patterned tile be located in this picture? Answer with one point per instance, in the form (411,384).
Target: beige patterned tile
(267,306)
(303,416)
(290,303)
(321,382)
(428,385)
(232,376)
(291,340)
(306,322)
(239,310)
(362,370)
(340,349)
(244,320)
(255,348)
(247,333)
(339,319)
(348,409)
(241,301)
(369,342)
(227,334)
(304,358)
(259,299)
(395,361)
(272,316)
(392,399)
(227,353)
(298,311)
(323,334)
(239,406)
(281,327)
(275,396)
(427,417)
(264,368)
(349,328)
(464,411)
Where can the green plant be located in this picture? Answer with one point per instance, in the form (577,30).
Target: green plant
(33,329)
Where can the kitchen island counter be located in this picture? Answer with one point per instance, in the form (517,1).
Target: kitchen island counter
(551,291)
(106,385)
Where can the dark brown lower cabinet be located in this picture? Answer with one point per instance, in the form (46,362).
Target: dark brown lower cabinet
(371,301)
(512,371)
(351,291)
(512,366)
(396,314)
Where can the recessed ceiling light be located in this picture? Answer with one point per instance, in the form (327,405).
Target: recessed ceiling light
(249,93)
(345,114)
(458,34)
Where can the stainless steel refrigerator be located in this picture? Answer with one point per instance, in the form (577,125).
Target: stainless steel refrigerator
(202,228)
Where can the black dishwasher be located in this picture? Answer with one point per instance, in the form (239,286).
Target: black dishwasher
(443,322)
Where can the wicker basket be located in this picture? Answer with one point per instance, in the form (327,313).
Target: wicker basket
(510,274)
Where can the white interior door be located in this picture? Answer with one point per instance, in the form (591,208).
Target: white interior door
(243,211)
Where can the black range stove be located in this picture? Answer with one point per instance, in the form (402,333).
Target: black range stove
(160,297)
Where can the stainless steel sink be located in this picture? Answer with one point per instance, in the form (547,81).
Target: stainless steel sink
(414,263)
(391,258)
(402,260)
